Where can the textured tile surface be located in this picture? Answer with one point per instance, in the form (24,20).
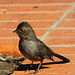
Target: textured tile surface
(53,22)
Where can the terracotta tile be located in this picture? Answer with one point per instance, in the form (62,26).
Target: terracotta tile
(42,24)
(9,46)
(9,41)
(71,16)
(10,50)
(74,9)
(66,24)
(8,25)
(62,33)
(59,41)
(40,32)
(63,50)
(32,8)
(13,25)
(7,33)
(52,68)
(31,16)
(10,34)
(58,68)
(34,1)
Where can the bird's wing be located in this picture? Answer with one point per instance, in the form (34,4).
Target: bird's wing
(44,51)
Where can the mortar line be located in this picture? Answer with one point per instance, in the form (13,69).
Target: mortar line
(44,4)
(37,37)
(29,12)
(9,37)
(65,28)
(60,37)
(26,20)
(51,28)
(67,54)
(61,46)
(33,28)
(56,73)
(70,19)
(58,28)
(71,63)
(12,37)
(73,11)
(33,20)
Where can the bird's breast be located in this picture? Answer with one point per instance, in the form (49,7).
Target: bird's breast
(28,49)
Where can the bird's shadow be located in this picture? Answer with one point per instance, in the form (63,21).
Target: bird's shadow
(24,67)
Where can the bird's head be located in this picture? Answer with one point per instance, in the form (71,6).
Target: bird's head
(24,30)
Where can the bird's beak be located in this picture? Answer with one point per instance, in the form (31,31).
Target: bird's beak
(15,31)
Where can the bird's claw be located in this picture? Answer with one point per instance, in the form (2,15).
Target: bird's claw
(34,72)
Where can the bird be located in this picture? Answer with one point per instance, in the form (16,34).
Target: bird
(33,48)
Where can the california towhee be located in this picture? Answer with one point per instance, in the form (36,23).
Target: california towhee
(32,48)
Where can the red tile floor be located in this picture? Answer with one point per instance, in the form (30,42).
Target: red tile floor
(53,22)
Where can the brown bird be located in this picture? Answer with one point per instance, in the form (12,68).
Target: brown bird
(32,48)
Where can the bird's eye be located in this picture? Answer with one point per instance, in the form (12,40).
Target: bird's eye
(21,30)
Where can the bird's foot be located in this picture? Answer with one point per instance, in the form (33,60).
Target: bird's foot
(34,72)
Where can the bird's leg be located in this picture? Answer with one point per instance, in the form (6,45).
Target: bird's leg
(31,64)
(37,68)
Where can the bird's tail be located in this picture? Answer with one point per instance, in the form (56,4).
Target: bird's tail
(61,57)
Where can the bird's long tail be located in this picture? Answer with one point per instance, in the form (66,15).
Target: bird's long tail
(61,57)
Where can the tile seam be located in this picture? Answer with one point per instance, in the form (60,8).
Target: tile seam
(29,12)
(58,28)
(40,4)
(35,20)
(61,46)
(26,20)
(57,22)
